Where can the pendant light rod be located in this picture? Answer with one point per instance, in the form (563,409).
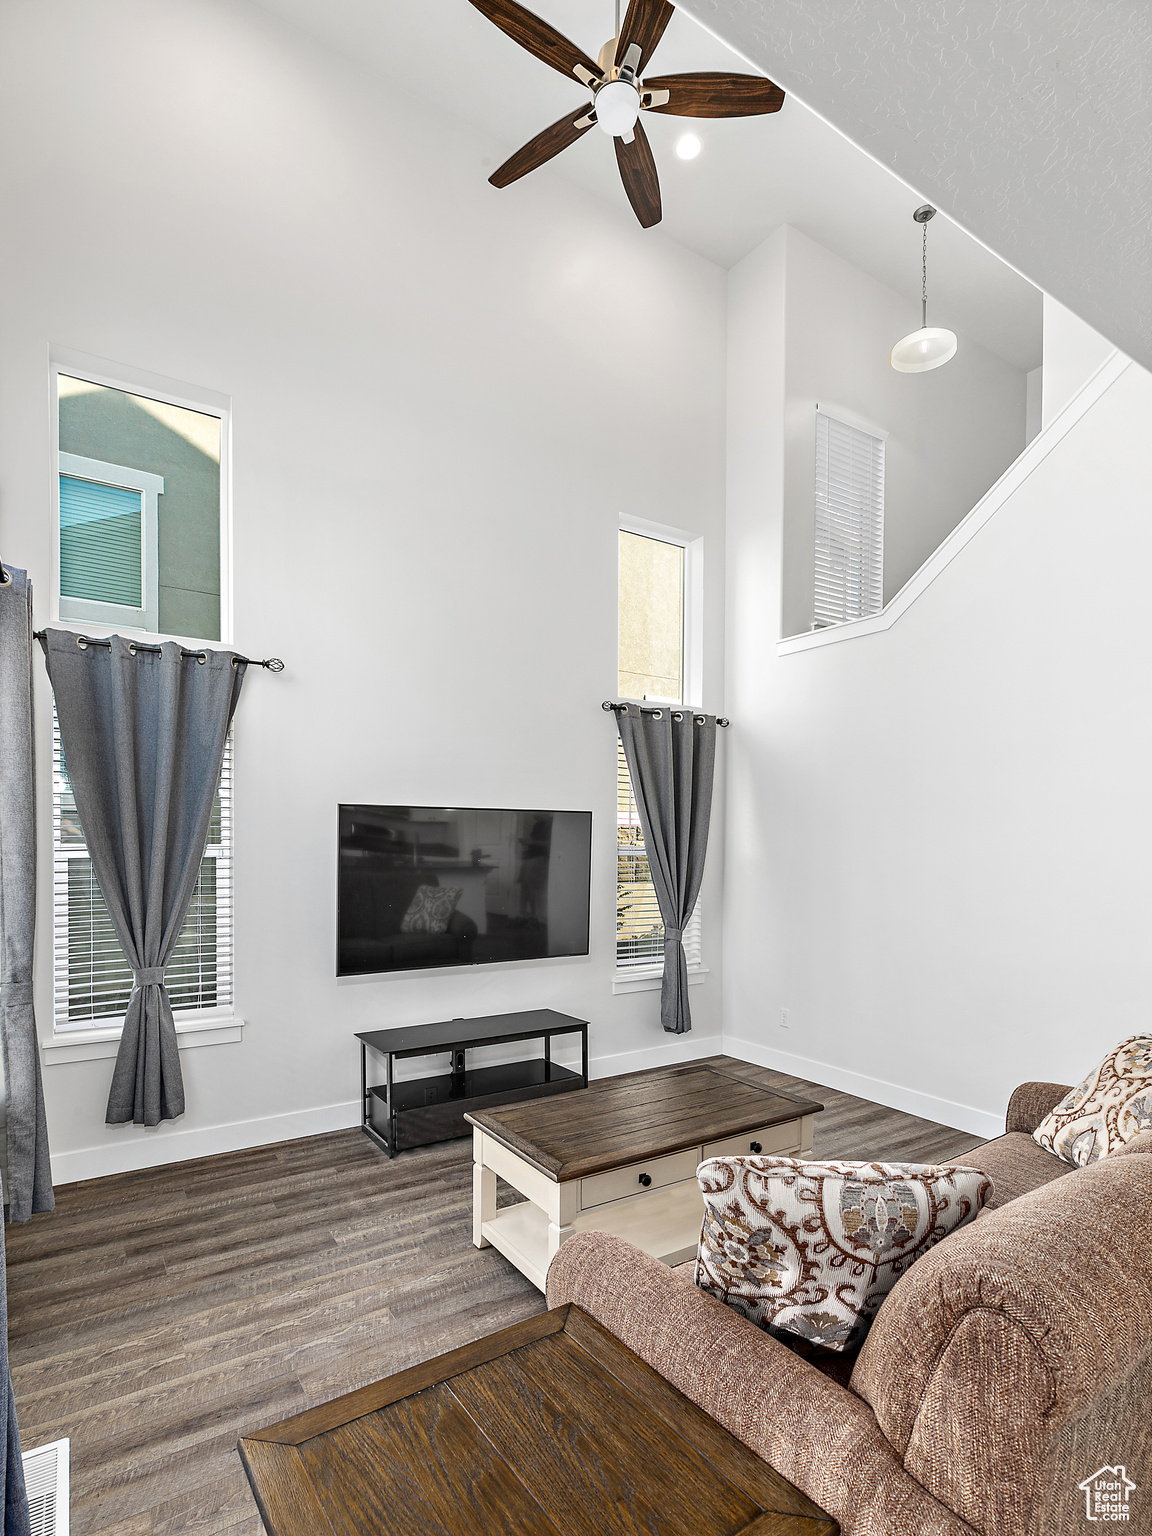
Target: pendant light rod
(617,31)
(922,215)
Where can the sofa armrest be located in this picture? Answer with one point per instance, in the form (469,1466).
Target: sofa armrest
(1031,1102)
(819,1435)
(1141,1143)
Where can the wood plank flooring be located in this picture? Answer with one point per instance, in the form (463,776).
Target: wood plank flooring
(157,1316)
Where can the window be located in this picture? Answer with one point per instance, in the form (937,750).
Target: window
(92,979)
(140,527)
(849,521)
(661,586)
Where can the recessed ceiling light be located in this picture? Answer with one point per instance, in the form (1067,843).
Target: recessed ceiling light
(687,146)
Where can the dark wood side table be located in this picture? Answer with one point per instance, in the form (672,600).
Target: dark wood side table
(412,1114)
(549,1428)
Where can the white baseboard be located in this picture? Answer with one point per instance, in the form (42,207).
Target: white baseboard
(175,1144)
(689,1047)
(129,1150)
(978,1122)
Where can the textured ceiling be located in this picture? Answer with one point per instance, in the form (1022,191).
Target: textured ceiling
(752,175)
(1029,121)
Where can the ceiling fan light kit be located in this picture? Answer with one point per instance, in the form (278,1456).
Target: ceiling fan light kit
(931,346)
(620,94)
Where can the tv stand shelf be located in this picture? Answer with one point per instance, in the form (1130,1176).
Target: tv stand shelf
(414,1113)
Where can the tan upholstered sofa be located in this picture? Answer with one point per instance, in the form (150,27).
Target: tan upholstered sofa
(1009,1365)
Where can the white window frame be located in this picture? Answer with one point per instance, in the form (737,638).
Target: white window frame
(105,1027)
(693,610)
(136,381)
(645,975)
(873,537)
(151,488)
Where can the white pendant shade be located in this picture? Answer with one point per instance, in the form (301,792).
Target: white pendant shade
(927,348)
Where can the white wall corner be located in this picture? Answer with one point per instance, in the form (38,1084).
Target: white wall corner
(964,1117)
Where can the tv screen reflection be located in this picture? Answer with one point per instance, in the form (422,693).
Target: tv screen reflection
(424,886)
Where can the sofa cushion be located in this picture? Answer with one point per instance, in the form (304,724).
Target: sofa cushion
(1019,1332)
(822,1438)
(1111,1106)
(811,1248)
(1015,1164)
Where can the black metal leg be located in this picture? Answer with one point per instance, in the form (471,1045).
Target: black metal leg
(391,1112)
(547,1058)
(584,1053)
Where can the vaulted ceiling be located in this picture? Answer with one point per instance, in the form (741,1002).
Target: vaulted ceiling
(1029,121)
(751,176)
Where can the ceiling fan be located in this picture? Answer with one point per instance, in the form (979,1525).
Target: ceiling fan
(620,93)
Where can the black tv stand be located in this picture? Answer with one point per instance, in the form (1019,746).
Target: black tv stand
(415,1113)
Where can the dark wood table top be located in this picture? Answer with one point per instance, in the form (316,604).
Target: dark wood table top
(549,1428)
(492,1029)
(626,1119)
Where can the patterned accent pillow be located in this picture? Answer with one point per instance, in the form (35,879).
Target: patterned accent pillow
(1111,1106)
(430,909)
(812,1249)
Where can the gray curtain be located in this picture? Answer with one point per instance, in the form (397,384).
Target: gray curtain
(671,756)
(17,1520)
(143,735)
(29,1183)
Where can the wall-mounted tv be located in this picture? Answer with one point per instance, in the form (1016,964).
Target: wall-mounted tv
(422,886)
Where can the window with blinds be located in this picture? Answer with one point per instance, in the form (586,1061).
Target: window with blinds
(849,522)
(101,542)
(93,981)
(639,926)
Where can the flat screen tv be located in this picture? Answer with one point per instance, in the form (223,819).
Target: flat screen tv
(422,886)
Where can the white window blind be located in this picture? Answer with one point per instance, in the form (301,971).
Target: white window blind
(92,979)
(101,542)
(849,522)
(639,926)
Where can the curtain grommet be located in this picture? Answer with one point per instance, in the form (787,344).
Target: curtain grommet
(201,657)
(82,642)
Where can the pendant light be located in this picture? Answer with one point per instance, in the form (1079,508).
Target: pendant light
(930,346)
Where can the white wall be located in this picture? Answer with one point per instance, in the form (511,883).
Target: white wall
(1072,353)
(951,432)
(439,417)
(938,835)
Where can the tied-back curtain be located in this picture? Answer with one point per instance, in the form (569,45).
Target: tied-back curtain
(671,756)
(29,1183)
(143,736)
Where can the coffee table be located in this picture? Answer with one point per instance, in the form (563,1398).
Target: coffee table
(549,1428)
(621,1156)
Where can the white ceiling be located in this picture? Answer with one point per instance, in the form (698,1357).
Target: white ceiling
(752,174)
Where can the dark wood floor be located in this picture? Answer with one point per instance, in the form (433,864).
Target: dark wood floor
(159,1315)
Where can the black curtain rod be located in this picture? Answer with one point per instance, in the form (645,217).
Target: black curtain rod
(273,663)
(656,709)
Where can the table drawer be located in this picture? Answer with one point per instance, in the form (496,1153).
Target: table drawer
(618,1183)
(776,1139)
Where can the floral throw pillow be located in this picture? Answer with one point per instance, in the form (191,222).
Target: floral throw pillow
(1111,1106)
(812,1249)
(430,909)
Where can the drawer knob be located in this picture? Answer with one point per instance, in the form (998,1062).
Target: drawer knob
(645,1179)
(754,1146)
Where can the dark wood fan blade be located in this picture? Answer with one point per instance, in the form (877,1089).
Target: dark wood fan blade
(538,36)
(542,148)
(638,173)
(644,25)
(716,95)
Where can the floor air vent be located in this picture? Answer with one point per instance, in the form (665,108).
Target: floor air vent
(46,1478)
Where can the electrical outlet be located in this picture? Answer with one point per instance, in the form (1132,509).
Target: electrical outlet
(785,1018)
